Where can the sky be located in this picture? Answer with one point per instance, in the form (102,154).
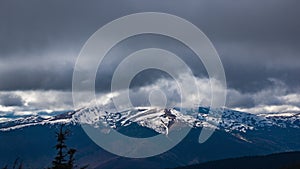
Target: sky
(258,43)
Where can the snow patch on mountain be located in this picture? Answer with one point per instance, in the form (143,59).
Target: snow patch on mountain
(161,120)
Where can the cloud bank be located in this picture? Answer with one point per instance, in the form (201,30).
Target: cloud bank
(274,99)
(258,43)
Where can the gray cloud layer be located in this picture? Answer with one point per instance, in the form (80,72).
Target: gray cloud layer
(256,40)
(11,100)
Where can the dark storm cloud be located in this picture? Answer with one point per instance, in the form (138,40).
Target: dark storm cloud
(235,99)
(256,40)
(139,42)
(36,78)
(11,100)
(30,74)
(248,66)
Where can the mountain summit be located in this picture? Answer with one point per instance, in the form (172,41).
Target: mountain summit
(161,120)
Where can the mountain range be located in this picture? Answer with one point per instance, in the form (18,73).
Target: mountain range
(237,134)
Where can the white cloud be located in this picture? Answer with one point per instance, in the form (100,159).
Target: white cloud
(276,98)
(172,91)
(273,99)
(291,98)
(269,109)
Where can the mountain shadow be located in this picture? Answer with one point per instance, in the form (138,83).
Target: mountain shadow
(288,160)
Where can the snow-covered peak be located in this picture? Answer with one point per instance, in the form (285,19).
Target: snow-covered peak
(161,120)
(285,119)
(158,119)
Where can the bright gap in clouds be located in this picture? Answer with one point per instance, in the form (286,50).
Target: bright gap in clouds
(33,102)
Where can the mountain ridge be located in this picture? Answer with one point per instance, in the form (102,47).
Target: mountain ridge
(227,141)
(156,118)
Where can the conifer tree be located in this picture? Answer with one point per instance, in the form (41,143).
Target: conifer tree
(65,156)
(59,161)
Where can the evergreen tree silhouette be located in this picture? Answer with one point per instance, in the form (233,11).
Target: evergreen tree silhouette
(61,161)
(64,158)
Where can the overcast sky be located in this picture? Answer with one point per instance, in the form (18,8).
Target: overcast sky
(258,42)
